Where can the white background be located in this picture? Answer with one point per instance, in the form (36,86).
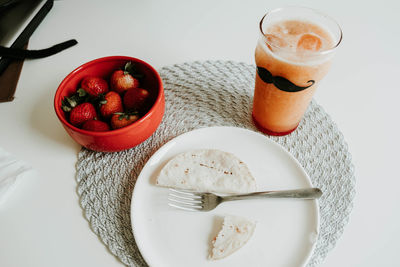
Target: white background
(42,223)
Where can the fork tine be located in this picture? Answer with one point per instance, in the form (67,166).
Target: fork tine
(183,208)
(193,194)
(186,200)
(183,198)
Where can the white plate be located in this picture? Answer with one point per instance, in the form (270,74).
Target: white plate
(286,231)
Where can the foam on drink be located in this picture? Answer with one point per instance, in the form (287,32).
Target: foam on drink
(297,41)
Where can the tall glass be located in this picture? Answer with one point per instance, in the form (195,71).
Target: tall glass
(293,54)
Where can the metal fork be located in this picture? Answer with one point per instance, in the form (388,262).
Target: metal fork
(200,201)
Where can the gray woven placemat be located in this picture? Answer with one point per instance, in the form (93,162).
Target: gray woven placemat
(203,94)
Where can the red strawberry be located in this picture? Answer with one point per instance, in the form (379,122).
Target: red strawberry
(96,126)
(120,120)
(81,113)
(121,81)
(94,85)
(135,98)
(111,104)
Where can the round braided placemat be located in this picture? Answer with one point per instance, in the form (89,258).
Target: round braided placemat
(203,94)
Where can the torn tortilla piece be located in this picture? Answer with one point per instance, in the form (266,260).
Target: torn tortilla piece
(235,233)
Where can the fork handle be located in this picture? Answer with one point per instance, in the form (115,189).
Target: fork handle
(306,193)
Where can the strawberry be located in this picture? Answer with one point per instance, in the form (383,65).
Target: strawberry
(96,126)
(68,103)
(134,99)
(81,113)
(119,120)
(110,104)
(94,86)
(123,80)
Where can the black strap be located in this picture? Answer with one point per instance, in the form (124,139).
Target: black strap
(17,53)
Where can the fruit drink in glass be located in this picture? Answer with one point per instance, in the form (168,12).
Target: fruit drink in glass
(293,54)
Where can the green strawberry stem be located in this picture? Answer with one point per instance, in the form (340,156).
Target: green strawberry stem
(125,115)
(81,92)
(79,97)
(130,68)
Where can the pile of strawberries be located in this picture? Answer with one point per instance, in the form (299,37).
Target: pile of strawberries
(101,106)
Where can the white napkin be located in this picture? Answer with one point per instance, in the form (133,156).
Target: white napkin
(11,169)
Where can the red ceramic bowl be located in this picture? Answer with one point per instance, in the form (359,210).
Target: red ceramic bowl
(123,138)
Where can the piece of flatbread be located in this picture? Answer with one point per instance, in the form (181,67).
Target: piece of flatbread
(207,170)
(234,234)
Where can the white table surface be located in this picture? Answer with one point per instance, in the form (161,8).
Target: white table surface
(42,223)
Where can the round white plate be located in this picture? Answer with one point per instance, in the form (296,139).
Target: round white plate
(286,230)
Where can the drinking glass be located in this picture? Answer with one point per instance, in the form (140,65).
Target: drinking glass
(293,53)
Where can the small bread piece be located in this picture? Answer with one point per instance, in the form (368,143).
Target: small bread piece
(207,170)
(235,233)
